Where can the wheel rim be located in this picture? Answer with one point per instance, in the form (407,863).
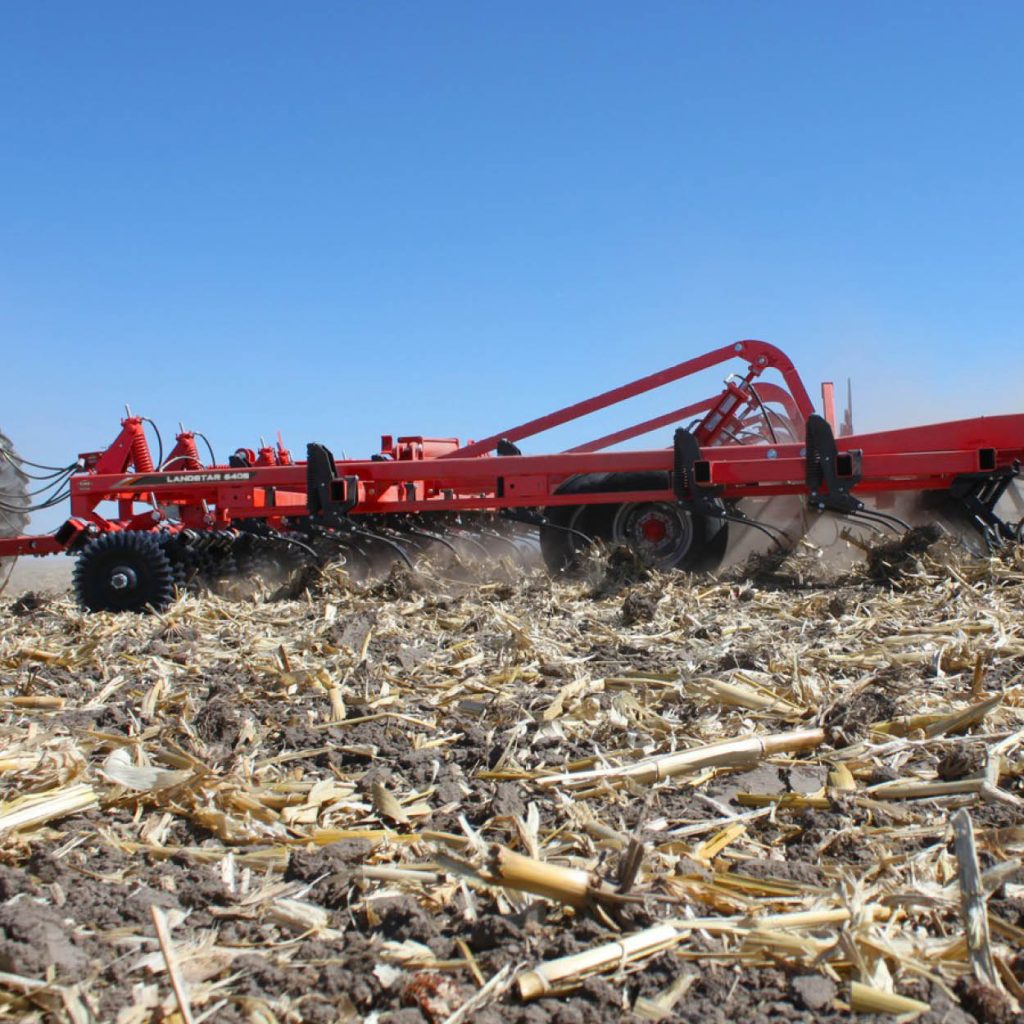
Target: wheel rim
(661,534)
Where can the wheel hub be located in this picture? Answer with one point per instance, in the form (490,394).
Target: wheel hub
(653,528)
(123,578)
(661,534)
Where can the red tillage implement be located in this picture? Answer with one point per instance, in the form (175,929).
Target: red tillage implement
(177,520)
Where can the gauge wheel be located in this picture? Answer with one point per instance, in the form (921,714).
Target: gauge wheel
(663,534)
(124,572)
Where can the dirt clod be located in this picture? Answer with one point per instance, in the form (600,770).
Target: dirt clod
(34,937)
(890,561)
(639,606)
(987,1004)
(815,992)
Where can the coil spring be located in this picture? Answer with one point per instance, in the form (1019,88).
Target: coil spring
(141,458)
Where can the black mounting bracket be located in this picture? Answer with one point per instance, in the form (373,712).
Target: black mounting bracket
(690,476)
(831,474)
(979,493)
(691,482)
(327,494)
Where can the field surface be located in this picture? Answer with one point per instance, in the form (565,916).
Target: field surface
(779,797)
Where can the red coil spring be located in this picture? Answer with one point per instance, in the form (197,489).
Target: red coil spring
(141,458)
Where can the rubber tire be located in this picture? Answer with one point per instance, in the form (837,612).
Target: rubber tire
(706,551)
(13,492)
(140,552)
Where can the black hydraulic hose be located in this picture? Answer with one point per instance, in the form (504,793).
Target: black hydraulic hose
(14,460)
(893,523)
(57,500)
(764,413)
(159,439)
(38,507)
(51,486)
(209,447)
(766,528)
(27,462)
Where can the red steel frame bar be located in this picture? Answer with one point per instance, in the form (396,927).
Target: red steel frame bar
(760,356)
(929,457)
(430,475)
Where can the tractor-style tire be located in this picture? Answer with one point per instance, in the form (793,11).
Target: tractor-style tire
(663,534)
(13,498)
(124,572)
(13,493)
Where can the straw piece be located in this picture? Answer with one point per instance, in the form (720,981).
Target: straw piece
(38,702)
(712,847)
(494,988)
(960,720)
(386,804)
(972,901)
(118,768)
(841,779)
(565,885)
(662,1005)
(568,969)
(570,690)
(799,801)
(19,983)
(907,790)
(47,657)
(173,967)
(740,753)
(474,967)
(865,999)
(740,696)
(38,808)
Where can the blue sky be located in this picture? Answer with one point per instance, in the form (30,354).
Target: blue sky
(348,219)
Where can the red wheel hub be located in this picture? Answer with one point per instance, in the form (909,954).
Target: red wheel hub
(653,528)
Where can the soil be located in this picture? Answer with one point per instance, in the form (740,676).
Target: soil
(77,896)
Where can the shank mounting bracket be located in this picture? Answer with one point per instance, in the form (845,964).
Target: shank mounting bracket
(689,472)
(327,494)
(831,474)
(979,493)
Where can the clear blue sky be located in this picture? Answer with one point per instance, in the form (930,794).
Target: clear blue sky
(343,219)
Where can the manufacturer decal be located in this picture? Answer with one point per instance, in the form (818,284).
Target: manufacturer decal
(163,479)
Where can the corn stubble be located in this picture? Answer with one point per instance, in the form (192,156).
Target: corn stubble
(822,780)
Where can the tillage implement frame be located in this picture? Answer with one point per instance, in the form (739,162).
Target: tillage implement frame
(141,526)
